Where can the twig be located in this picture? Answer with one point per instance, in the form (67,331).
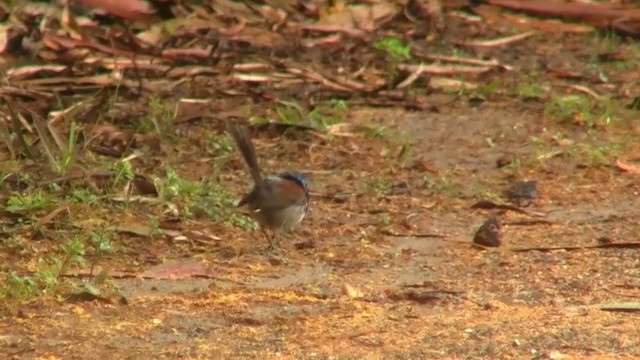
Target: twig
(415,235)
(627,245)
(17,129)
(496,42)
(445,69)
(619,294)
(411,78)
(487,205)
(468,61)
(584,90)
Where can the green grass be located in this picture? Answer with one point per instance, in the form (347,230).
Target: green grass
(56,212)
(486,193)
(568,107)
(603,155)
(394,48)
(582,110)
(218,145)
(608,42)
(395,52)
(160,118)
(398,144)
(384,220)
(58,149)
(47,278)
(29,201)
(84,195)
(123,173)
(322,116)
(379,131)
(494,87)
(83,248)
(201,199)
(68,156)
(531,86)
(441,184)
(381,185)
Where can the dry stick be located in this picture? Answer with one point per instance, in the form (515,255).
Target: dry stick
(17,129)
(605,288)
(595,14)
(488,205)
(467,61)
(122,275)
(49,217)
(354,85)
(349,84)
(627,245)
(328,40)
(62,179)
(393,99)
(136,69)
(342,84)
(252,77)
(316,77)
(417,235)
(497,42)
(360,34)
(627,286)
(67,42)
(582,89)
(9,90)
(252,67)
(412,77)
(445,70)
(333,196)
(529,222)
(6,137)
(46,136)
(433,294)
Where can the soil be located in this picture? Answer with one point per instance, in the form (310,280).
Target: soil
(384,266)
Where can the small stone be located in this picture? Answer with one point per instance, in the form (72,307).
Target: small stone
(489,233)
(494,305)
(523,192)
(605,240)
(555,355)
(505,160)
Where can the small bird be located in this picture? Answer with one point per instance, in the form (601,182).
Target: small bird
(278,202)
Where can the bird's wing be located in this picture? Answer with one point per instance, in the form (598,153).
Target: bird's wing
(279,193)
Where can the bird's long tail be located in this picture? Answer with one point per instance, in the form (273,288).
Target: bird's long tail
(241,136)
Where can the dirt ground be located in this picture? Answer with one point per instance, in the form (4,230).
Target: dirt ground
(383,267)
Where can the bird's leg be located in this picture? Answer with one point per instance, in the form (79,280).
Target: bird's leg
(266,235)
(273,242)
(275,252)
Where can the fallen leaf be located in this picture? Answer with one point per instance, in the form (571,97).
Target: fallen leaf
(351,292)
(624,167)
(129,9)
(31,71)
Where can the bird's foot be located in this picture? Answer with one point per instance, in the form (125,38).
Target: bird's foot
(276,254)
(276,257)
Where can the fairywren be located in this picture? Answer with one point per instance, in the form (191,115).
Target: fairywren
(278,202)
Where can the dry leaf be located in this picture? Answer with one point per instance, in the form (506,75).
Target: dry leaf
(351,292)
(624,167)
(129,9)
